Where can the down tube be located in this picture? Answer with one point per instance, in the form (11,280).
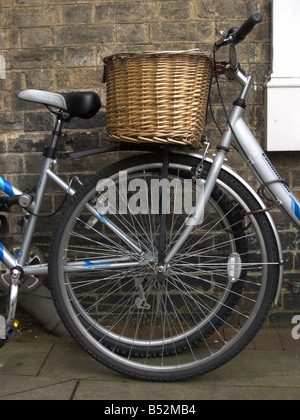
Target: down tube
(264,171)
(7,258)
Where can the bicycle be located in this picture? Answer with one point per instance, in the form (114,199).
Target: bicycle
(159,295)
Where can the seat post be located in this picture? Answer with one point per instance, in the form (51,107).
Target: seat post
(56,133)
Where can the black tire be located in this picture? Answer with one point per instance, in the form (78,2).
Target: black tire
(231,302)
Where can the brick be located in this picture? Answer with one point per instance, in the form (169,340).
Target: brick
(80,57)
(291,301)
(2,146)
(29,2)
(181,32)
(79,166)
(9,38)
(175,10)
(11,122)
(288,258)
(39,79)
(35,37)
(13,81)
(289,240)
(283,319)
(206,9)
(132,33)
(30,180)
(37,58)
(27,17)
(33,163)
(5,3)
(79,140)
(295,178)
(11,164)
(282,223)
(88,34)
(38,121)
(68,1)
(98,121)
(26,143)
(78,78)
(77,14)
(133,12)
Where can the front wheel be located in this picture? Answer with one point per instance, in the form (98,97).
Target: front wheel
(157,322)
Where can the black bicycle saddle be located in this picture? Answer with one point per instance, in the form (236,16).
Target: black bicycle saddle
(78,104)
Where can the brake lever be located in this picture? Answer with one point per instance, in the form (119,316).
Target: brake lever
(225,40)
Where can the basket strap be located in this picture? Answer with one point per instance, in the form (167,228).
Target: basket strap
(223,65)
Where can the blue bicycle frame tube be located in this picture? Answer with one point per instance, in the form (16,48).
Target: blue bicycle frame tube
(8,189)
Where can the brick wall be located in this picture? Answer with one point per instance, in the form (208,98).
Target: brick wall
(59,45)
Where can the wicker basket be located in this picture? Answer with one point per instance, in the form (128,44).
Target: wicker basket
(158,97)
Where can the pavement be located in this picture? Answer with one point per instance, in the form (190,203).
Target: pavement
(35,365)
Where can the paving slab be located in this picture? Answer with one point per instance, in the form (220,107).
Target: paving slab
(288,342)
(61,370)
(251,375)
(23,358)
(267,340)
(18,387)
(70,361)
(89,390)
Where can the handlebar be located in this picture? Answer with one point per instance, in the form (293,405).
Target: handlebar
(247,27)
(237,35)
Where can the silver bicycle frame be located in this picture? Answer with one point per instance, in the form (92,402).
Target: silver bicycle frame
(244,141)
(236,132)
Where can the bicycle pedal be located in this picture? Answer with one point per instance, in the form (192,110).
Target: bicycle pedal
(294,287)
(7,332)
(11,330)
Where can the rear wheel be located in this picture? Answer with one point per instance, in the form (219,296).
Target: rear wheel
(170,322)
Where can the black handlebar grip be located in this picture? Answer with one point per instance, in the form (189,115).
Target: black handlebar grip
(247,27)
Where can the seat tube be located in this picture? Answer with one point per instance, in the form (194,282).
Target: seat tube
(40,192)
